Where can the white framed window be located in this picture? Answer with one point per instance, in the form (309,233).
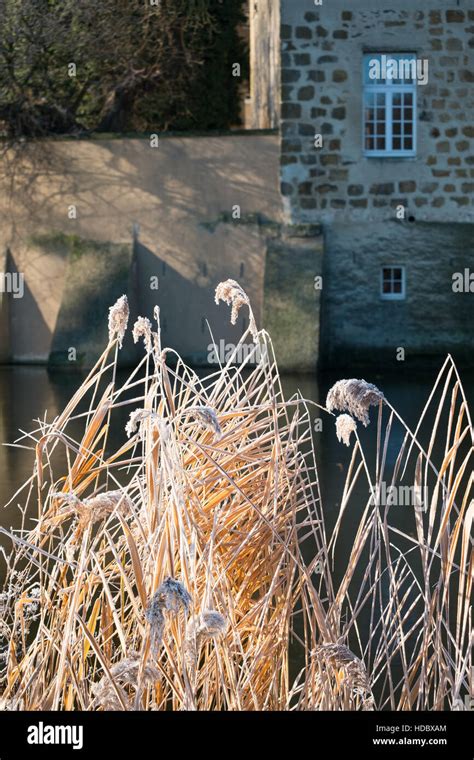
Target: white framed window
(392,282)
(389,111)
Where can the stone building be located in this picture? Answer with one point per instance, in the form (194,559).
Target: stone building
(345,208)
(383,160)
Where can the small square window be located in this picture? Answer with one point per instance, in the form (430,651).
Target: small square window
(392,283)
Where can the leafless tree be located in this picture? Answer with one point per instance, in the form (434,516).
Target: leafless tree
(69,66)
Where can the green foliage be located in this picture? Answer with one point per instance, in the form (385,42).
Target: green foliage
(72,245)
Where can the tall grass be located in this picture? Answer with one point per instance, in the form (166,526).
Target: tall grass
(173,573)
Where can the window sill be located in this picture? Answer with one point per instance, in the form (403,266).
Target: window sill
(391,156)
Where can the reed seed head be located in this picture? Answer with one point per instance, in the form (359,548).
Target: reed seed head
(94,508)
(355,397)
(134,420)
(142,329)
(170,596)
(137,417)
(345,425)
(211,624)
(125,673)
(207,418)
(156,618)
(334,658)
(234,295)
(118,319)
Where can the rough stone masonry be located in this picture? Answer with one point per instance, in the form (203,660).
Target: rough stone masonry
(322,54)
(357,198)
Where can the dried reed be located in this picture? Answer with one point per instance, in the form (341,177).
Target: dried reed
(183,585)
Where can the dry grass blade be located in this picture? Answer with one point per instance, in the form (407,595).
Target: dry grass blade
(171,573)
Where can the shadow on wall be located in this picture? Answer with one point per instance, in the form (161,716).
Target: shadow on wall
(101,192)
(116,183)
(23,330)
(189,317)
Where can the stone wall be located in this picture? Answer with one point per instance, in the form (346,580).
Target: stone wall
(322,54)
(359,328)
(97,274)
(96,196)
(86,220)
(292,303)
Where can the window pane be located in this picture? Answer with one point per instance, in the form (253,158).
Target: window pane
(398,88)
(402,125)
(392,282)
(369,107)
(374,115)
(406,68)
(369,67)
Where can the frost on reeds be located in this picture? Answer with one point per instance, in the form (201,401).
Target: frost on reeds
(95,508)
(170,596)
(234,295)
(207,418)
(208,625)
(355,397)
(93,615)
(118,320)
(345,425)
(112,692)
(340,679)
(142,329)
(136,418)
